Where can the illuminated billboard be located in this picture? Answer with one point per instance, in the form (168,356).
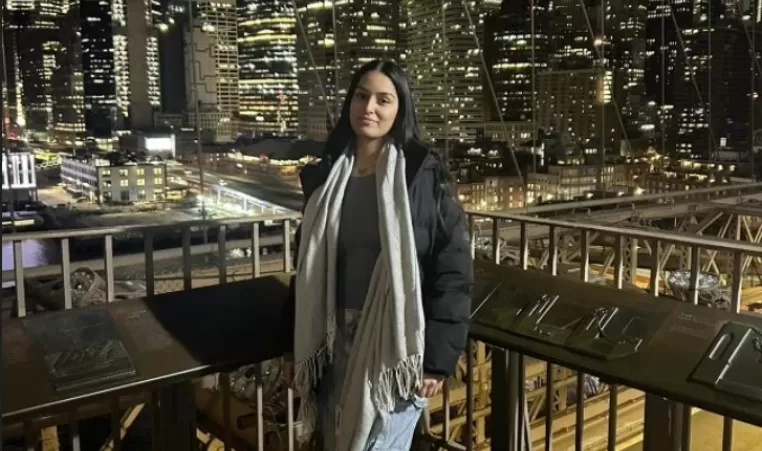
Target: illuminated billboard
(163,146)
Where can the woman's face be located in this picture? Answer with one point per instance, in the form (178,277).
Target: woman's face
(374,106)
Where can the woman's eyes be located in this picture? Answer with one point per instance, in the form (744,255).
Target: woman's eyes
(363,96)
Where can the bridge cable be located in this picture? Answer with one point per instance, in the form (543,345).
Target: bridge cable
(336,102)
(600,55)
(444,54)
(681,42)
(752,38)
(491,85)
(320,84)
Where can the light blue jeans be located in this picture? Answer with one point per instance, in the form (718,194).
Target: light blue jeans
(399,430)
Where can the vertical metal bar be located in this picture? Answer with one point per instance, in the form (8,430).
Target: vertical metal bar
(66,272)
(524,247)
(109,266)
(446,409)
(633,263)
(496,241)
(654,282)
(256,260)
(260,408)
(695,271)
(74,432)
(687,418)
(736,282)
(613,416)
(187,263)
(522,420)
(287,246)
(18,271)
(553,251)
(116,425)
(156,439)
(470,396)
(509,415)
(31,437)
(584,257)
(227,429)
(150,272)
(549,404)
(472,234)
(222,260)
(618,261)
(727,434)
(290,420)
(579,425)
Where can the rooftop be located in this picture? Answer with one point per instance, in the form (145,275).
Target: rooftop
(121,158)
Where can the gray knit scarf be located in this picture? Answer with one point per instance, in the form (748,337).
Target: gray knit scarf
(385,364)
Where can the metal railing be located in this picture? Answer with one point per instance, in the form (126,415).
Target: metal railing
(251,409)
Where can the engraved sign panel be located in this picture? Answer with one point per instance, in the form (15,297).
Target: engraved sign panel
(733,363)
(82,350)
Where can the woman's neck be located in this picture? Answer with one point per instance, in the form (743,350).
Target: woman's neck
(367,152)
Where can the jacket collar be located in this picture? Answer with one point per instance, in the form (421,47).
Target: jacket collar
(418,161)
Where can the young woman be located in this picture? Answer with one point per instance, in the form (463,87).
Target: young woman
(382,292)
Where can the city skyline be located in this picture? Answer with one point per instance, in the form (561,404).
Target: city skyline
(584,79)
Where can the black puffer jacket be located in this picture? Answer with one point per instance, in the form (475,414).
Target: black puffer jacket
(442,241)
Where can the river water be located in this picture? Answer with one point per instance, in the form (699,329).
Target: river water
(33,253)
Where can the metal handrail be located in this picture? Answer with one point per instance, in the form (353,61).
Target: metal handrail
(717,244)
(115,230)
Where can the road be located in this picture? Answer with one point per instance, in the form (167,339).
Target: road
(279,193)
(55,195)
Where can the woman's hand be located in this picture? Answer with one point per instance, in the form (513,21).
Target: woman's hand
(431,385)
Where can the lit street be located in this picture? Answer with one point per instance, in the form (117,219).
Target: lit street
(280,193)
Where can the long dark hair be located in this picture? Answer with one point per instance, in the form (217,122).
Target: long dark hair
(405,133)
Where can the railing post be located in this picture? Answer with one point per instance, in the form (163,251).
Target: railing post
(662,424)
(504,396)
(496,241)
(287,246)
(177,417)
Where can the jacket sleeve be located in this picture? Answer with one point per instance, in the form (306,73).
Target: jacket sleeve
(448,290)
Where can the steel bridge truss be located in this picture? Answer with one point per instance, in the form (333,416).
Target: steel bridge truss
(736,223)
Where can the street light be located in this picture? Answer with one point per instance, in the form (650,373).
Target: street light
(197,125)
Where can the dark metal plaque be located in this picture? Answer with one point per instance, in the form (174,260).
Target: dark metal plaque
(565,317)
(610,333)
(733,363)
(81,350)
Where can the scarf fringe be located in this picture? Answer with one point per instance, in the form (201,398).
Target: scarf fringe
(309,371)
(307,375)
(400,382)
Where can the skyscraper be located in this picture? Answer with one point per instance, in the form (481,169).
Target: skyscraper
(211,68)
(445,66)
(338,41)
(31,29)
(119,64)
(68,80)
(267,59)
(712,95)
(509,55)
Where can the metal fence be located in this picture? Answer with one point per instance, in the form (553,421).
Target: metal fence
(250,408)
